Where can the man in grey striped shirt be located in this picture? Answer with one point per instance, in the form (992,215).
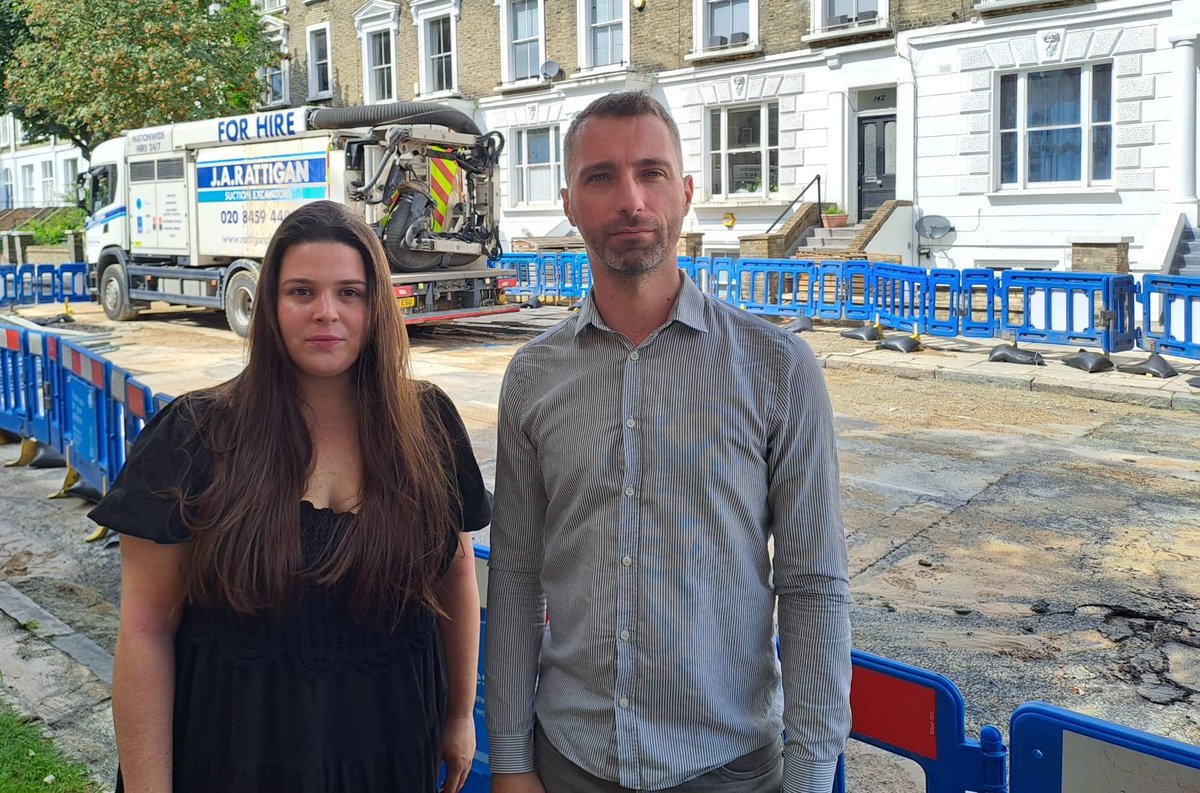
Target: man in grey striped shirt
(651,450)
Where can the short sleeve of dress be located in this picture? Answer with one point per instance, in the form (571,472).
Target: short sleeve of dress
(144,501)
(474,500)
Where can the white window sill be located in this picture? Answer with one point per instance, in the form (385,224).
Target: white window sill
(274,105)
(597,71)
(279,9)
(1040,192)
(1000,5)
(518,85)
(451,94)
(818,36)
(740,200)
(321,96)
(699,56)
(535,208)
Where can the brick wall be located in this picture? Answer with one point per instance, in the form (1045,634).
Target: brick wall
(344,49)
(1100,257)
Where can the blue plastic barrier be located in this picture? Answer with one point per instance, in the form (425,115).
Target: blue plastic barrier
(9,292)
(717,277)
(900,295)
(574,275)
(942,310)
(526,267)
(858,302)
(478,781)
(1058,751)
(920,715)
(826,290)
(977,317)
(12,380)
(43,389)
(1073,309)
(1171,315)
(549,276)
(70,282)
(87,415)
(777,287)
(131,405)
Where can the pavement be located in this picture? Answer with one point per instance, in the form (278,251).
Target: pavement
(60,677)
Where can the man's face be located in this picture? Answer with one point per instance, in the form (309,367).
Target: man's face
(625,193)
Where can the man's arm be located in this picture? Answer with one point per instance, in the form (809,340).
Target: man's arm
(811,578)
(516,606)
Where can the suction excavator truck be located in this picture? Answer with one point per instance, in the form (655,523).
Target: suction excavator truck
(182,213)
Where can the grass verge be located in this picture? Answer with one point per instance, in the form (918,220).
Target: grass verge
(29,762)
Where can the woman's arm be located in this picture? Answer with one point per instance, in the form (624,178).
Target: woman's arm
(460,636)
(152,595)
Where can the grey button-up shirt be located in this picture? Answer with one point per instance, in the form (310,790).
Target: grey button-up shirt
(637,490)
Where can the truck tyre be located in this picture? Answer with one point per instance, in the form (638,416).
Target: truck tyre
(114,294)
(239,301)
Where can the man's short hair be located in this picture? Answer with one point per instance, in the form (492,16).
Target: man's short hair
(622,104)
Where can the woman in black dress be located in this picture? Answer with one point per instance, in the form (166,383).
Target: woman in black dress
(299,610)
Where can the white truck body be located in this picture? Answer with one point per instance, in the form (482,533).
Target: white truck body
(199,201)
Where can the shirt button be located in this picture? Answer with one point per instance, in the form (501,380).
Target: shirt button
(633,356)
(625,635)
(630,423)
(626,561)
(624,703)
(629,491)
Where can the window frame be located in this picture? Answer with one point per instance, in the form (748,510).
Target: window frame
(426,12)
(1086,124)
(372,19)
(701,32)
(277,31)
(314,92)
(8,188)
(725,151)
(49,183)
(585,25)
(508,43)
(6,130)
(521,168)
(820,19)
(28,186)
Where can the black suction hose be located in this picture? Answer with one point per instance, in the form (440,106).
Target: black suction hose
(391,113)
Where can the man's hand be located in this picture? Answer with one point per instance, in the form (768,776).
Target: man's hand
(517,783)
(458,749)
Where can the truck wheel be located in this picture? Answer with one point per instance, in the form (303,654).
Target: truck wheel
(239,301)
(114,296)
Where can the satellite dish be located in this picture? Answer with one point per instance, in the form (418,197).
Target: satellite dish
(933,227)
(550,70)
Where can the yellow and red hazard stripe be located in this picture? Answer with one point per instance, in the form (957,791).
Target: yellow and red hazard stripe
(443,181)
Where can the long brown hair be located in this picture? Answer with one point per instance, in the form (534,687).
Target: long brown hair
(247,554)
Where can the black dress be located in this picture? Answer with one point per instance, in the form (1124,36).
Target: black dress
(309,701)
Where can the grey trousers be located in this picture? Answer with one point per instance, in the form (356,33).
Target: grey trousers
(760,771)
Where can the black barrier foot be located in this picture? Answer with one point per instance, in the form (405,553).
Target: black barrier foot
(47,457)
(1089,362)
(1154,366)
(8,437)
(799,325)
(29,450)
(113,540)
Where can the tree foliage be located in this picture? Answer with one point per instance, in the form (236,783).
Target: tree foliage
(12,33)
(88,69)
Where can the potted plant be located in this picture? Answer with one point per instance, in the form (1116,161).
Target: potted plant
(833,216)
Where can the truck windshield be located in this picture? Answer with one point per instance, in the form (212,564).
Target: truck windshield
(100,189)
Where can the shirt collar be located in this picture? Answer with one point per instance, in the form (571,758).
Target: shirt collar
(688,309)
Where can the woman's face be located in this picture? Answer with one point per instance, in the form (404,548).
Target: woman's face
(323,307)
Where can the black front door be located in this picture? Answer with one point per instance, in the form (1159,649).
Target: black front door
(876,163)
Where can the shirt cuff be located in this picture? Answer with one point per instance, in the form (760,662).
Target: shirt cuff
(510,754)
(805,776)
